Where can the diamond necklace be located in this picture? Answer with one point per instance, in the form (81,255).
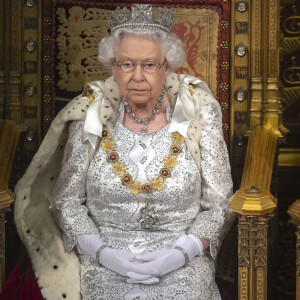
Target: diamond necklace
(151,117)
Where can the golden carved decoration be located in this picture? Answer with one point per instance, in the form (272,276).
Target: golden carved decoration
(47,59)
(289,50)
(244,246)
(224,45)
(80,30)
(291,75)
(47,119)
(225,126)
(11,60)
(243,291)
(260,254)
(47,39)
(271,111)
(255,205)
(224,86)
(256,12)
(224,24)
(225,65)
(47,21)
(252,256)
(224,106)
(77,40)
(47,99)
(273,41)
(289,96)
(256,103)
(291,25)
(289,45)
(47,79)
(270,108)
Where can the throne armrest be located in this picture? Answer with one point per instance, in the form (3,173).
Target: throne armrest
(254,203)
(254,197)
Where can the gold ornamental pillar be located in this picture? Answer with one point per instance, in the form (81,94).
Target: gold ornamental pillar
(264,64)
(271,64)
(294,212)
(255,205)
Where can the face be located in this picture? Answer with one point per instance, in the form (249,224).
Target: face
(140,87)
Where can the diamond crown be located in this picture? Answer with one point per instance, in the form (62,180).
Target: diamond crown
(140,18)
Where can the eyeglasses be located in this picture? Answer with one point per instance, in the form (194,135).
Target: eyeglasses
(148,66)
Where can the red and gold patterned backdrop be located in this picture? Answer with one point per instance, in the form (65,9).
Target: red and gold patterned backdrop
(73,29)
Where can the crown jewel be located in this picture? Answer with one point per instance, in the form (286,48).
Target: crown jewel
(141,18)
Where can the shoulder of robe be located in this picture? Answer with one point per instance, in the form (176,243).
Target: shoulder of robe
(203,98)
(76,109)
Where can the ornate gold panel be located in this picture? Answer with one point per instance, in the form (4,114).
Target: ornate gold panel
(80,30)
(78,36)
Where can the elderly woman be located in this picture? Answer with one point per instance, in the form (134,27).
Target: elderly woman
(141,194)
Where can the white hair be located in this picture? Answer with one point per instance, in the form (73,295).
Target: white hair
(170,44)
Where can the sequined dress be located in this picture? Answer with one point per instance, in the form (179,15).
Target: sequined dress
(89,198)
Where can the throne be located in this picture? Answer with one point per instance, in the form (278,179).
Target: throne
(223,42)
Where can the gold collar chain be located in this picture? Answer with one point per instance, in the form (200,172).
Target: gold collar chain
(120,168)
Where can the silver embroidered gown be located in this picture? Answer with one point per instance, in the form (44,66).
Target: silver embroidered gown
(89,198)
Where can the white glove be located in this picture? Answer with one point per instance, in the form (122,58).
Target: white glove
(158,262)
(119,261)
(123,262)
(89,243)
(116,260)
(191,244)
(163,261)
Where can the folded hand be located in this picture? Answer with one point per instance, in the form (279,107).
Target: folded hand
(159,262)
(124,262)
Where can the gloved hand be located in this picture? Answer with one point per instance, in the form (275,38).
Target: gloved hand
(163,261)
(191,244)
(158,263)
(89,243)
(119,261)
